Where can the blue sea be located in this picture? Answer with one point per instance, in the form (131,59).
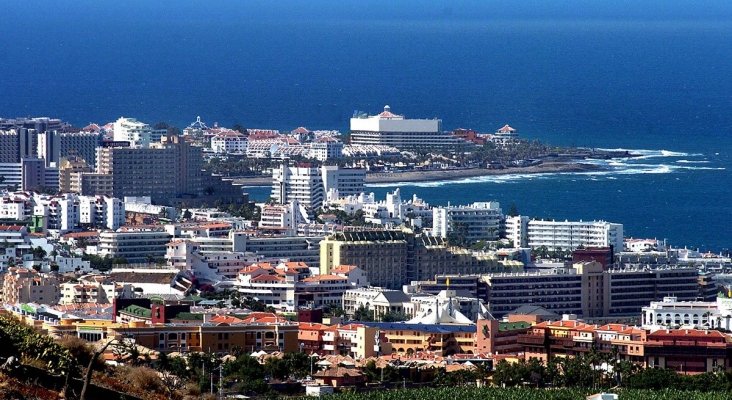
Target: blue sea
(653,76)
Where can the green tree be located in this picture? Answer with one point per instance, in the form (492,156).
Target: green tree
(38,253)
(363,314)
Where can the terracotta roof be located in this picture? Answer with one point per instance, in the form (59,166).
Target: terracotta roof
(16,228)
(343,269)
(506,129)
(695,333)
(299,130)
(338,372)
(268,278)
(310,326)
(318,278)
(74,235)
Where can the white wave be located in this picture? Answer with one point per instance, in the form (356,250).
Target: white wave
(650,153)
(693,161)
(616,169)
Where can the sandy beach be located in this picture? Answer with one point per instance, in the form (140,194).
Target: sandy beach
(452,174)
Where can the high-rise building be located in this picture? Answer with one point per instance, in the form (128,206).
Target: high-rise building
(66,178)
(564,235)
(16,144)
(53,146)
(589,290)
(389,129)
(164,171)
(302,183)
(395,258)
(138,134)
(478,221)
(308,184)
(347,181)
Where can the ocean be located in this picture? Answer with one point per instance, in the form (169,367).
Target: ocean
(654,77)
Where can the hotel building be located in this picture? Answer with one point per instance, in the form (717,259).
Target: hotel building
(565,235)
(389,129)
(479,221)
(587,289)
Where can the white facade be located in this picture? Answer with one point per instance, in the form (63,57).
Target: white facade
(228,144)
(13,211)
(389,129)
(347,181)
(134,246)
(304,184)
(389,122)
(139,134)
(568,235)
(308,185)
(673,314)
(69,211)
(517,230)
(286,217)
(392,211)
(289,286)
(478,221)
(326,150)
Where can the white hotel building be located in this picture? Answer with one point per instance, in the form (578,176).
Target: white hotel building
(389,129)
(139,134)
(229,142)
(565,235)
(673,314)
(480,221)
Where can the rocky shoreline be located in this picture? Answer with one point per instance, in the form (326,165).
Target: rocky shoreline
(449,174)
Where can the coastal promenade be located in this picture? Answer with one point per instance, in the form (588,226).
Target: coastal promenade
(449,174)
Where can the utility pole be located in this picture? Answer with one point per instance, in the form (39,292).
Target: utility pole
(221,381)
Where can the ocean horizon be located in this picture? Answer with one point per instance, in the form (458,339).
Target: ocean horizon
(655,78)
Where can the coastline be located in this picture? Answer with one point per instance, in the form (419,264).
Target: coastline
(450,174)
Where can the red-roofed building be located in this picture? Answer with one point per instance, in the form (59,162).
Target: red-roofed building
(290,285)
(687,351)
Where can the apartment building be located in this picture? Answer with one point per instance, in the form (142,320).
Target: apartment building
(21,285)
(478,221)
(443,339)
(134,245)
(302,183)
(163,171)
(229,142)
(687,351)
(289,286)
(355,340)
(54,146)
(309,184)
(138,134)
(326,149)
(346,181)
(588,290)
(395,258)
(563,235)
(68,167)
(69,211)
(97,289)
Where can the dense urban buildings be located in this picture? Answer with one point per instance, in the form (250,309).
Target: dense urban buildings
(309,184)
